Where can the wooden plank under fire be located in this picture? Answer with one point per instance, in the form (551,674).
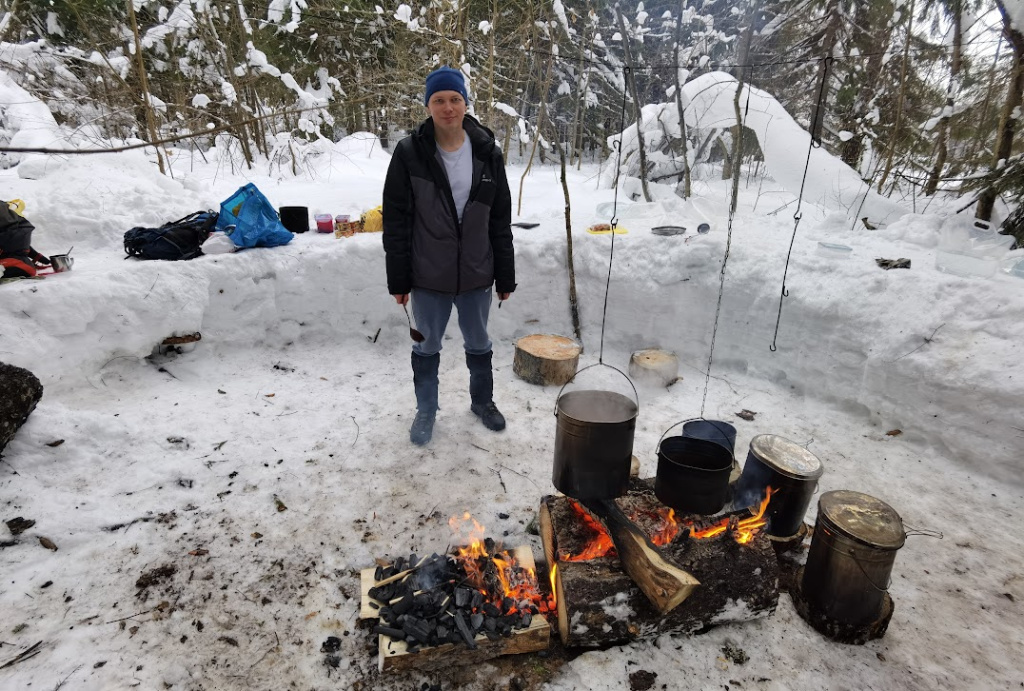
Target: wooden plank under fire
(393,655)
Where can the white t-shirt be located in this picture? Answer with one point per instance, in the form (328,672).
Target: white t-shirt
(458,165)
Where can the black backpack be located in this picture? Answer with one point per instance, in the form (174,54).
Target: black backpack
(181,239)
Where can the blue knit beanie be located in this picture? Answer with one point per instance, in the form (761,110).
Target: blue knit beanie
(445,79)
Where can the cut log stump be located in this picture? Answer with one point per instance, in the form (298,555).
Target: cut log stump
(600,605)
(546,359)
(654,367)
(20,391)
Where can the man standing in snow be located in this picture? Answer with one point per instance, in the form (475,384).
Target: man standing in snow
(447,239)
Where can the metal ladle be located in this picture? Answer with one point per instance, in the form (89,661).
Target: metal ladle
(413,333)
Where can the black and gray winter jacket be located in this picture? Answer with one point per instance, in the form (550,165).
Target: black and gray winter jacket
(425,245)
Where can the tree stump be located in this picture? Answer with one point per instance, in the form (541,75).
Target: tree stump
(654,367)
(20,391)
(599,604)
(546,359)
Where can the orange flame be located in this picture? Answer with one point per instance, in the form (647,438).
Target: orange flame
(745,529)
(667,527)
(516,581)
(600,544)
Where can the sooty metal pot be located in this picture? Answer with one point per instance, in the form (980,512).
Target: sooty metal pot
(718,431)
(851,556)
(693,475)
(594,443)
(790,470)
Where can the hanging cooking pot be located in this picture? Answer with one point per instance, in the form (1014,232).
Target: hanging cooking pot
(718,431)
(594,441)
(693,474)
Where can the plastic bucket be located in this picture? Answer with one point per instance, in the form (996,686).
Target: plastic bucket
(851,556)
(294,218)
(693,475)
(718,431)
(790,470)
(593,443)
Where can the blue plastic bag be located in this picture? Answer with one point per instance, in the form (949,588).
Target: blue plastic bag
(249,219)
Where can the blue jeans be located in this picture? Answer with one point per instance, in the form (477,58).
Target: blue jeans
(431,310)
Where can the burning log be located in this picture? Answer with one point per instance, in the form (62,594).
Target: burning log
(446,610)
(664,584)
(599,604)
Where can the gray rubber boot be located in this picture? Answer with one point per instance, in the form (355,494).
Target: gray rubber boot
(424,378)
(481,391)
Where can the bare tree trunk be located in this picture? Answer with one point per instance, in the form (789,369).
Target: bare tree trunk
(1007,122)
(891,149)
(686,179)
(942,140)
(147,103)
(574,305)
(828,45)
(490,90)
(581,100)
(241,132)
(545,87)
(631,83)
(737,144)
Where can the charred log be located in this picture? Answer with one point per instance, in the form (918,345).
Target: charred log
(20,391)
(599,604)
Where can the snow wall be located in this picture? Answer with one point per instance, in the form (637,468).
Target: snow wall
(847,353)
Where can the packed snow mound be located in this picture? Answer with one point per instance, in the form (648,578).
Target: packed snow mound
(29,124)
(708,104)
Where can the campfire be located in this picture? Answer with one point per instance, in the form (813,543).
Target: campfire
(481,597)
(663,528)
(632,567)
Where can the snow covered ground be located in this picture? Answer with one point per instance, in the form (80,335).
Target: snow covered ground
(299,395)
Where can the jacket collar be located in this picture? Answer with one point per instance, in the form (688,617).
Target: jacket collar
(480,138)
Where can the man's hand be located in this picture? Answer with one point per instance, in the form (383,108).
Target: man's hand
(504,296)
(402,299)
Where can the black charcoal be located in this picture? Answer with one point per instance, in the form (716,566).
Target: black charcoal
(476,620)
(397,634)
(464,631)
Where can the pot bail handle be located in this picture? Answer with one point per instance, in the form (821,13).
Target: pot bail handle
(911,531)
(636,396)
(681,422)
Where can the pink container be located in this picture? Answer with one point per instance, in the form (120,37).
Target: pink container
(324,223)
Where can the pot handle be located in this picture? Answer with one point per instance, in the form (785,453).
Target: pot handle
(636,396)
(681,422)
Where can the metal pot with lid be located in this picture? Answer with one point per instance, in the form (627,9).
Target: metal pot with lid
(851,556)
(790,470)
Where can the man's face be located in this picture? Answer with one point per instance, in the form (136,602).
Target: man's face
(447,108)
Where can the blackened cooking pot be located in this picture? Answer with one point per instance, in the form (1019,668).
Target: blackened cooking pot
(594,442)
(693,474)
(790,470)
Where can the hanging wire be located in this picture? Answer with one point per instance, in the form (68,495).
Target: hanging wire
(799,200)
(614,222)
(725,260)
